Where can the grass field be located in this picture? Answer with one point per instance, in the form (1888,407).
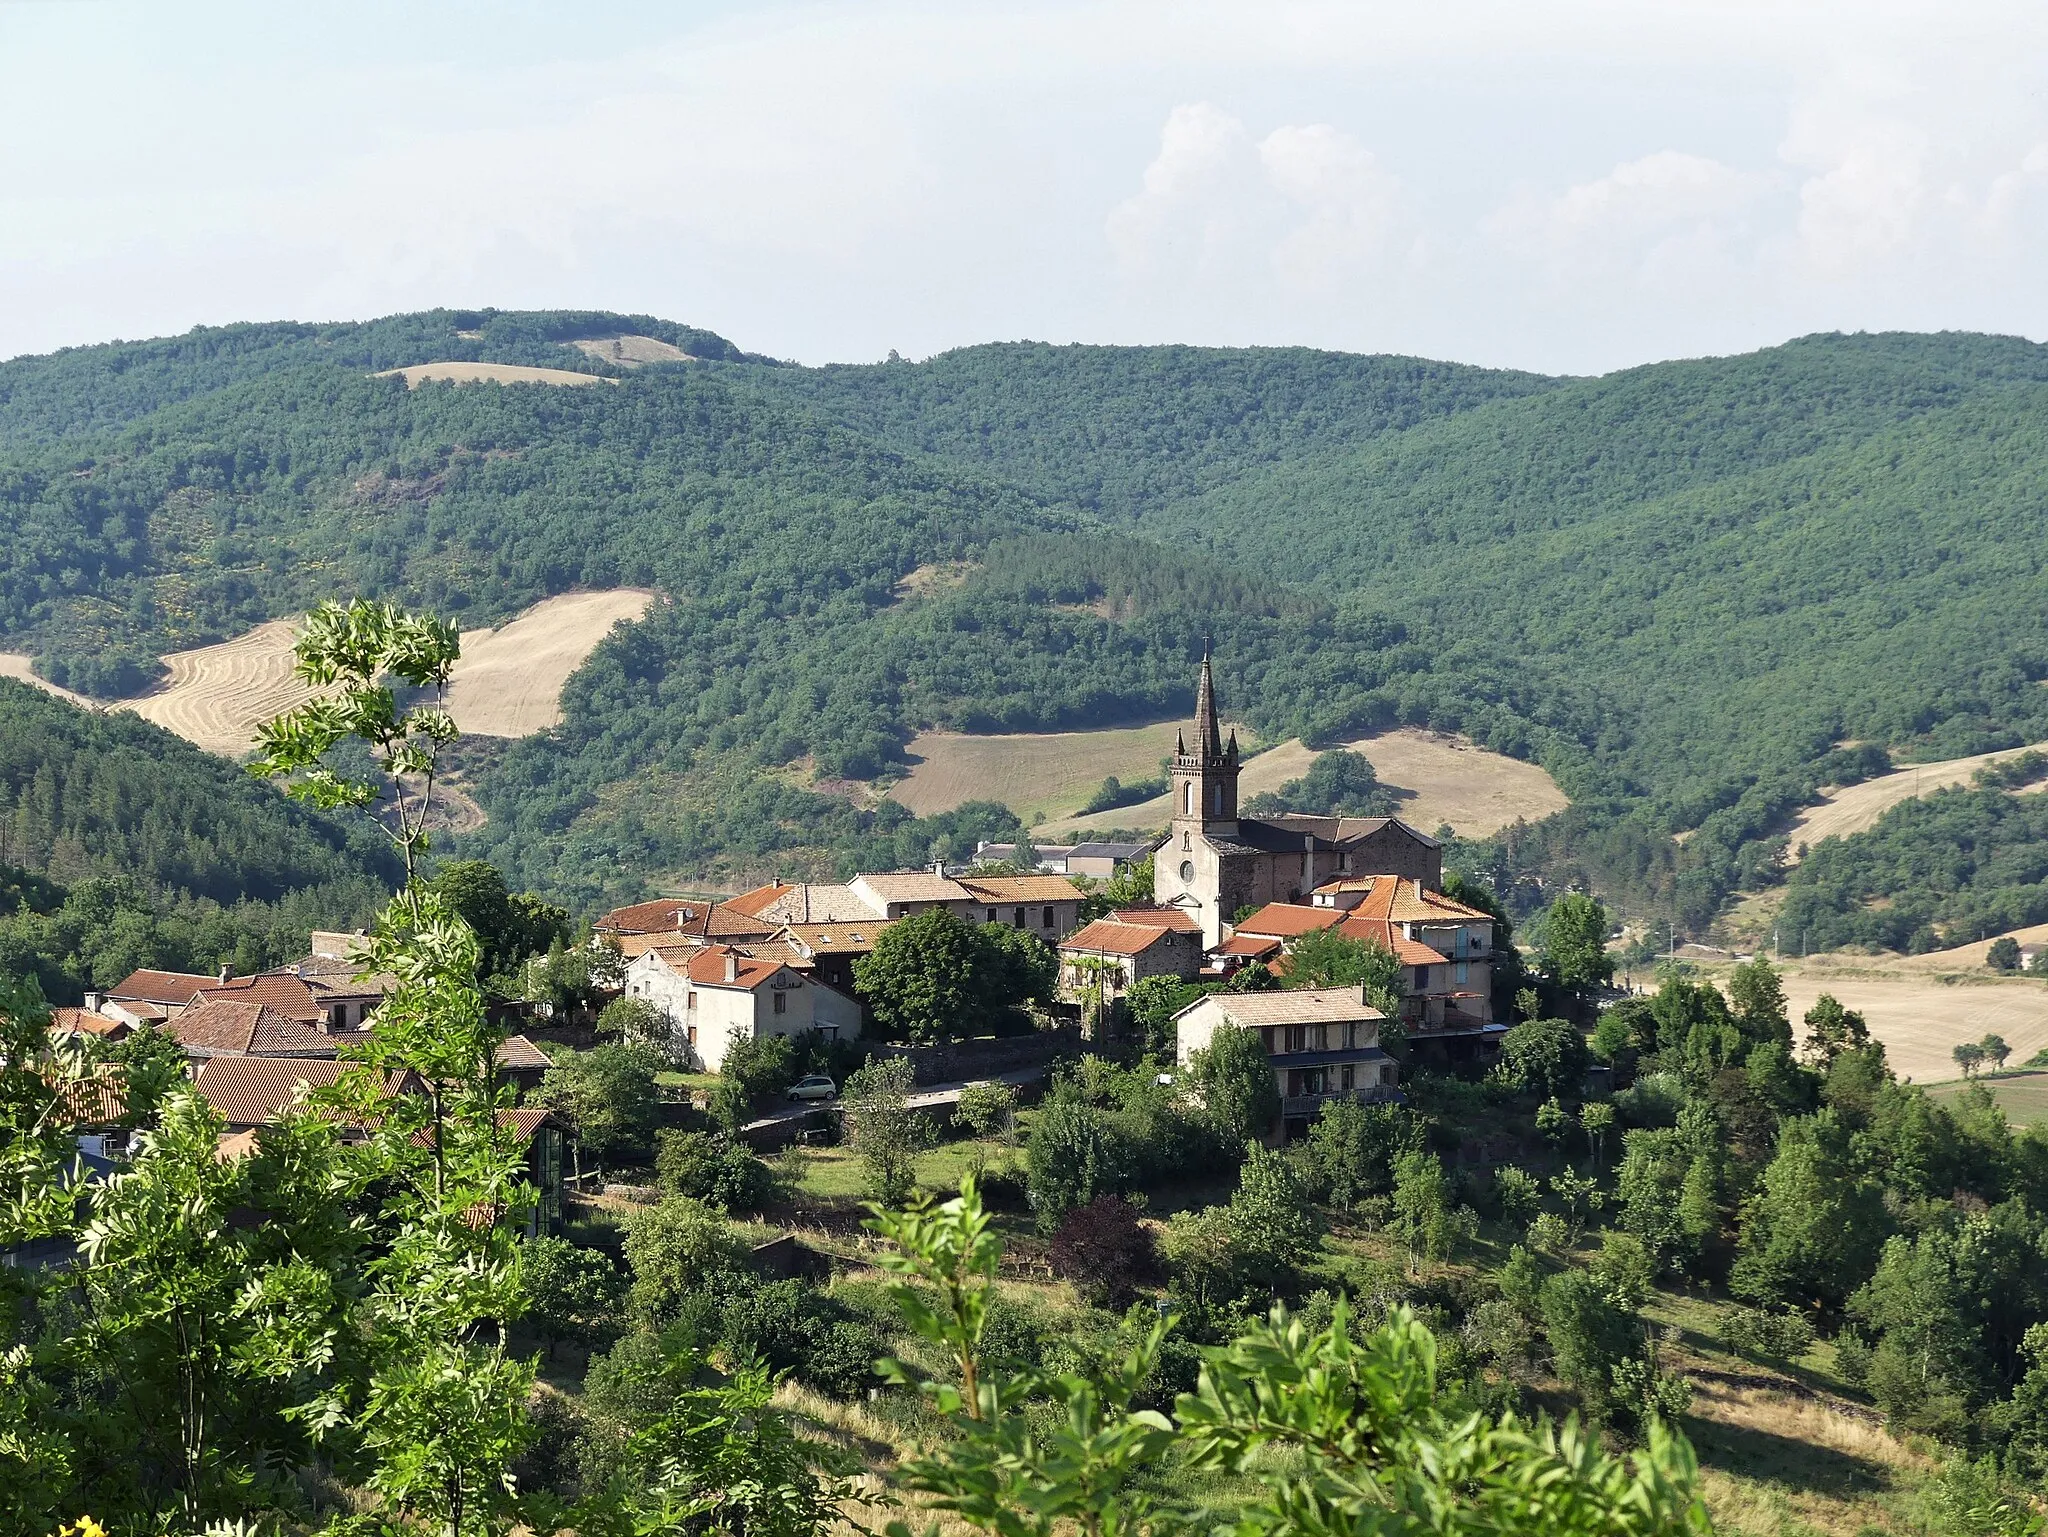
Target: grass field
(1921,1006)
(508,683)
(1052,772)
(631,351)
(2023,1096)
(1447,780)
(490,373)
(1858,807)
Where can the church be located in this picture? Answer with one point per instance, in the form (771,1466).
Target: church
(1215,863)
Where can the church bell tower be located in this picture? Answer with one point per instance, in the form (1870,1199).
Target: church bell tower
(1205,779)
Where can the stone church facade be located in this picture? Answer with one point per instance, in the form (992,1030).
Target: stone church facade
(1215,863)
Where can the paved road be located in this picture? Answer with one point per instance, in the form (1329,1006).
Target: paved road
(935,1097)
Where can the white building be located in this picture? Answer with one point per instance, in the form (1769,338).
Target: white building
(712,993)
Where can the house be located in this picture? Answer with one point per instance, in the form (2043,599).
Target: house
(90,1023)
(521,1064)
(329,972)
(826,951)
(802,902)
(1047,906)
(282,991)
(166,993)
(1323,1044)
(1103,960)
(712,993)
(244,1027)
(254,1091)
(1215,863)
(645,924)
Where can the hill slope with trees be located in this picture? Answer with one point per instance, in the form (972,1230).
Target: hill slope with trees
(1680,588)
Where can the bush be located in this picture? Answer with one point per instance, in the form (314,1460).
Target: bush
(1517,1192)
(1075,1154)
(987,1110)
(635,1019)
(2004,954)
(676,1251)
(712,1170)
(1545,1056)
(1352,1149)
(1104,1250)
(755,1072)
(1757,1333)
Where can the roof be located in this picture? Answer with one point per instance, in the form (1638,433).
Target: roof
(1252,945)
(1105,936)
(1289,920)
(279,990)
(919,886)
(1309,1005)
(1381,932)
(673,916)
(1284,832)
(1401,899)
(250,1091)
(243,1027)
(101,1100)
(855,938)
(167,987)
(803,902)
(704,965)
(1110,850)
(328,976)
(1020,888)
(69,1021)
(1158,918)
(516,1052)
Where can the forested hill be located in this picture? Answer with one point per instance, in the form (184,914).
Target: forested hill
(1680,587)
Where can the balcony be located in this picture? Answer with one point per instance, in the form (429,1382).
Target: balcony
(1295,1106)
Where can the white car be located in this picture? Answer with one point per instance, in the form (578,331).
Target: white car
(817,1086)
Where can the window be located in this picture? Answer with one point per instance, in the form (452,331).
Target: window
(693,1035)
(991,918)
(1387,1072)
(1344,859)
(1345,1078)
(1049,919)
(1187,798)
(781,1002)
(1318,1037)
(1296,1038)
(1017,918)
(1187,871)
(1216,798)
(1464,971)
(692,1001)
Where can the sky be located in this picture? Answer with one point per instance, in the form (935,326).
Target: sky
(1569,187)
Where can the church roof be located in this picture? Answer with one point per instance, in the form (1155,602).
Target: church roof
(1285,832)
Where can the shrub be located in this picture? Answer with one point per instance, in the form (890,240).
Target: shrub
(1076,1153)
(1518,1193)
(1104,1250)
(675,1251)
(712,1170)
(1758,1333)
(986,1110)
(636,1019)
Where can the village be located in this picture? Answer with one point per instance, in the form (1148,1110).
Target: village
(1231,897)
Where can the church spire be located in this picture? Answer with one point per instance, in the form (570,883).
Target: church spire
(1208,738)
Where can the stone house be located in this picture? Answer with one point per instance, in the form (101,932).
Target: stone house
(712,993)
(1103,960)
(1323,1044)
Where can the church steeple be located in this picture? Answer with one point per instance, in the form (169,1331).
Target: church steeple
(1205,780)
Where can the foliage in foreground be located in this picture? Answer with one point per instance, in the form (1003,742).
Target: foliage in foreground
(1353,1416)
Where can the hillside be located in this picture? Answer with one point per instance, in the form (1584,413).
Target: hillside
(1677,588)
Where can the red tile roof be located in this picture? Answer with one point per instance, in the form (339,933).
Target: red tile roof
(704,965)
(167,987)
(693,918)
(516,1052)
(1381,932)
(96,1101)
(251,1091)
(1020,888)
(1403,900)
(1288,920)
(69,1021)
(1158,917)
(242,1027)
(1252,945)
(1106,936)
(287,994)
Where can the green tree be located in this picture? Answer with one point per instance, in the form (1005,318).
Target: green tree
(714,1170)
(887,1135)
(1756,999)
(638,1021)
(1272,1214)
(1153,1001)
(1353,1148)
(1589,1337)
(676,1250)
(1811,1231)
(1424,1216)
(1326,958)
(755,1072)
(151,1064)
(1234,1077)
(1573,951)
(1969,1057)
(608,1097)
(933,976)
(1832,1030)
(1546,1057)
(572,1293)
(2004,954)
(1598,1122)
(1995,1051)
(1074,1154)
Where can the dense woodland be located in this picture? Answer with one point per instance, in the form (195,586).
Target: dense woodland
(1679,588)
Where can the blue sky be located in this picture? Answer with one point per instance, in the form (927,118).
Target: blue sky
(1568,187)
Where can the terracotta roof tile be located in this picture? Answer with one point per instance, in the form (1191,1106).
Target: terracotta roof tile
(174,988)
(704,965)
(66,1020)
(1289,920)
(516,1052)
(242,1027)
(252,1091)
(1158,918)
(837,938)
(1253,945)
(1020,888)
(287,994)
(1105,936)
(916,886)
(1303,1006)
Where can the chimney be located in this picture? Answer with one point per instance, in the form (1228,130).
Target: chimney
(227,974)
(939,868)
(732,965)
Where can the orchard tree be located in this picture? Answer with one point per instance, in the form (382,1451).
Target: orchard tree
(1546,1057)
(2004,954)
(887,1135)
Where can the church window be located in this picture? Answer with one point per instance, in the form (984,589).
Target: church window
(1187,841)
(1216,798)
(1187,870)
(1187,798)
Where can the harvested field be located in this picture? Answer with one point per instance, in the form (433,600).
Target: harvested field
(632,351)
(1922,1006)
(2022,1096)
(1054,772)
(1856,808)
(509,681)
(1447,779)
(215,695)
(21,668)
(490,373)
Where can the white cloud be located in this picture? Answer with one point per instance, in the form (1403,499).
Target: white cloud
(1186,208)
(1668,218)
(1868,185)
(1353,203)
